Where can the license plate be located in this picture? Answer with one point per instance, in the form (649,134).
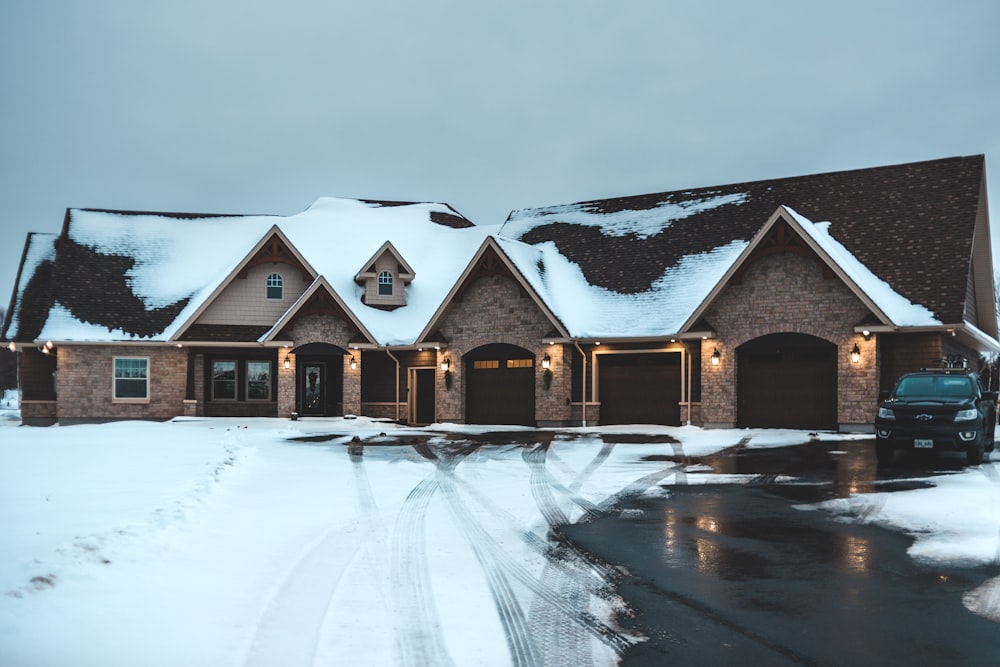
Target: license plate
(923,444)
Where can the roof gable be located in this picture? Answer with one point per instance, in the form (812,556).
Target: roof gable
(273,246)
(319,299)
(489,260)
(406,272)
(787,231)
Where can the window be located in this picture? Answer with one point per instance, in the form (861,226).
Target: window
(131,379)
(258,380)
(275,286)
(223,380)
(385,284)
(486,363)
(520,363)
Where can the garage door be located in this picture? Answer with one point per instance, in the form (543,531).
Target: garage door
(787,381)
(500,385)
(640,388)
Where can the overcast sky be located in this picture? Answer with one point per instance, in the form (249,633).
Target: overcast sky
(247,106)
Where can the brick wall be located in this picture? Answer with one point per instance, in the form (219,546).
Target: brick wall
(493,311)
(86,375)
(334,331)
(788,293)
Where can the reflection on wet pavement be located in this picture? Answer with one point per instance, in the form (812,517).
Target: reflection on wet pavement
(744,573)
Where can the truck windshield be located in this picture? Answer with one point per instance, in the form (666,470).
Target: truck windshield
(942,387)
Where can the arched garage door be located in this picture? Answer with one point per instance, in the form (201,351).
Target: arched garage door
(640,388)
(500,385)
(787,381)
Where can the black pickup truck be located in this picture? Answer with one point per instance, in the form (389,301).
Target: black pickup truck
(946,409)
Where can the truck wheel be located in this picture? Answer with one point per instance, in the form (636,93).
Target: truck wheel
(883,453)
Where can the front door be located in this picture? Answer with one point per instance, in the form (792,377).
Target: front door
(422,395)
(313,388)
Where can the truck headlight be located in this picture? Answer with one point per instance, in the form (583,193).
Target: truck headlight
(966,415)
(886,413)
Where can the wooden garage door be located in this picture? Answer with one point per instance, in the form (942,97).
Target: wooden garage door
(787,381)
(500,385)
(640,388)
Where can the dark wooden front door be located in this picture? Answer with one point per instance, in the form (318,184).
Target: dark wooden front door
(425,396)
(787,381)
(640,388)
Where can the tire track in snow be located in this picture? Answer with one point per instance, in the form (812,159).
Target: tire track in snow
(300,599)
(299,604)
(500,568)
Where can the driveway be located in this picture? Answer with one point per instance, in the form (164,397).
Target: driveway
(725,574)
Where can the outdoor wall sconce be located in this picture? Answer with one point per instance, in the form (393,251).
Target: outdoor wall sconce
(716,357)
(867,334)
(354,363)
(546,362)
(12,346)
(446,367)
(288,363)
(855,354)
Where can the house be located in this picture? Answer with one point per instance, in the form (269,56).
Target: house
(780,303)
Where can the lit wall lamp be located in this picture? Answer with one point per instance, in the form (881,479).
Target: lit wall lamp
(354,363)
(855,354)
(446,367)
(867,334)
(716,357)
(546,362)
(288,363)
(12,346)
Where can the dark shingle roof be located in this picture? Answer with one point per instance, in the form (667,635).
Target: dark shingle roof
(910,224)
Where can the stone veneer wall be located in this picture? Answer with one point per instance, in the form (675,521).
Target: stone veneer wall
(788,293)
(334,331)
(86,375)
(492,310)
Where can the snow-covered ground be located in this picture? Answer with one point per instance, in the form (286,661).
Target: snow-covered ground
(238,542)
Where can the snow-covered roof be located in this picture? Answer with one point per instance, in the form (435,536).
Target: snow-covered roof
(632,267)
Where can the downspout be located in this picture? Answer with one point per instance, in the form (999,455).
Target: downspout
(397,380)
(583,386)
(687,389)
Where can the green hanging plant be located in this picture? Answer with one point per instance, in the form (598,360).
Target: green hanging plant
(547,378)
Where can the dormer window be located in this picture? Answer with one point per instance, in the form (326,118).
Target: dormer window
(385,278)
(385,284)
(275,286)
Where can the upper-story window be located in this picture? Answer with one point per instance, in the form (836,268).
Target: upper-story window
(275,286)
(385,284)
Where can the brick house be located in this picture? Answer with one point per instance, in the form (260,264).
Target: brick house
(779,303)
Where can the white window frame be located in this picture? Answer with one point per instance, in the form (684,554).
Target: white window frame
(274,280)
(388,280)
(115,398)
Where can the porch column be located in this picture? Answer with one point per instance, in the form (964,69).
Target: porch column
(352,383)
(286,383)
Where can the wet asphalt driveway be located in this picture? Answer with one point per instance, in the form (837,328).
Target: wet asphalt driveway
(736,575)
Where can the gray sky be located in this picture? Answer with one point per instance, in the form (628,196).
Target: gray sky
(246,106)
